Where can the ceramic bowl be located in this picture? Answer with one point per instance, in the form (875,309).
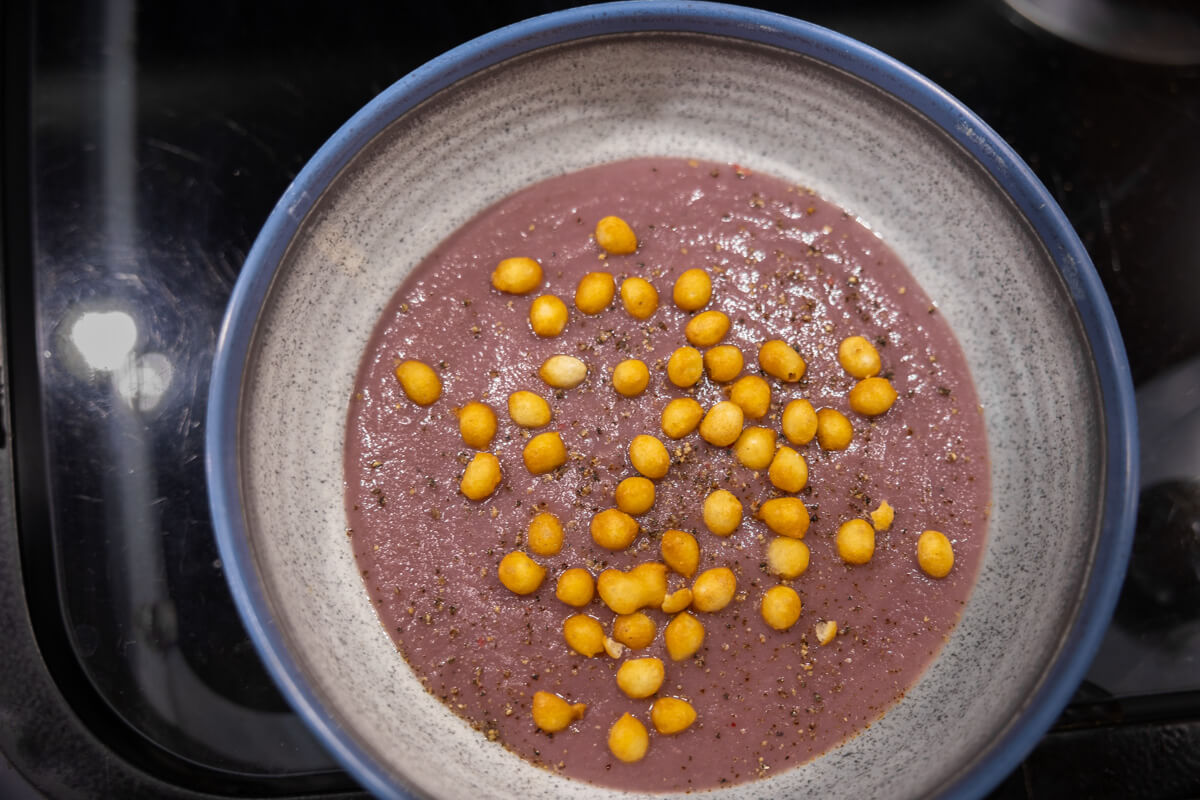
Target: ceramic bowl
(601,83)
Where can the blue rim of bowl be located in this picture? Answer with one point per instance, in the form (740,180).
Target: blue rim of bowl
(1079,644)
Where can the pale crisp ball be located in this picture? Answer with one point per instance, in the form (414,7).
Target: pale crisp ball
(722,425)
(594,292)
(680,417)
(834,431)
(685,367)
(631,377)
(872,396)
(620,591)
(788,471)
(584,635)
(722,512)
(477,424)
(683,636)
(649,456)
(552,714)
(935,554)
(786,516)
(713,589)
(576,587)
(859,357)
(723,363)
(635,495)
(545,534)
(481,477)
(639,297)
(634,630)
(544,453)
(707,328)
(781,607)
(517,275)
(563,371)
(616,236)
(780,360)
(671,715)
(856,541)
(639,678)
(692,291)
(628,739)
(755,448)
(528,410)
(681,552)
(520,574)
(548,316)
(419,382)
(799,422)
(613,529)
(787,558)
(753,394)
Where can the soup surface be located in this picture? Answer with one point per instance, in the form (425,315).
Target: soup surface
(784,264)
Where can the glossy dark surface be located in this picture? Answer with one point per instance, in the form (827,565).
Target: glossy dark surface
(159,136)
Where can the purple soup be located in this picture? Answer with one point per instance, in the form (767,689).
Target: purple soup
(784,264)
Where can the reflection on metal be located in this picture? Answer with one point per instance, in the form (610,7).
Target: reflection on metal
(145,382)
(1154,32)
(106,342)
(124,335)
(104,339)
(1154,644)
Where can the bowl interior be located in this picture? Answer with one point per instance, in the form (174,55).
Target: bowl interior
(575,104)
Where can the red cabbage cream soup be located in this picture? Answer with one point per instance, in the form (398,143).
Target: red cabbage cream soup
(666,475)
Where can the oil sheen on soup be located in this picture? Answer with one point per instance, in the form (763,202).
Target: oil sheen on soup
(795,414)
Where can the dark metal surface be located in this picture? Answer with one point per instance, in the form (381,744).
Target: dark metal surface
(150,144)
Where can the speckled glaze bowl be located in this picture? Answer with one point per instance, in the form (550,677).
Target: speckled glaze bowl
(600,83)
